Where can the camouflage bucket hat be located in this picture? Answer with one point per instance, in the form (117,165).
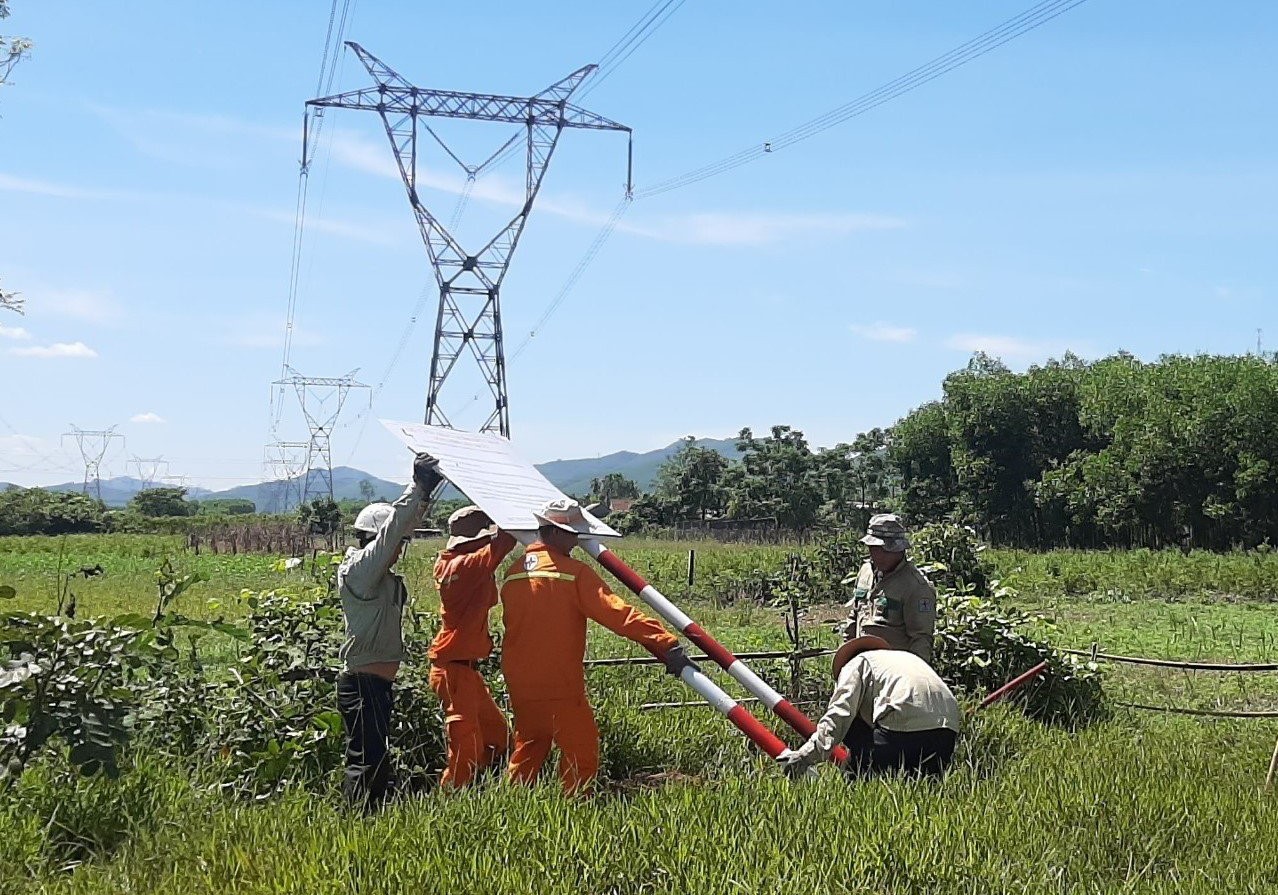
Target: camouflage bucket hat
(887,531)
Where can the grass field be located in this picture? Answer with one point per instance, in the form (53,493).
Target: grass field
(1140,802)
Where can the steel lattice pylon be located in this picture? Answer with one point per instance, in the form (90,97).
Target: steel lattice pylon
(469,285)
(284,462)
(93,446)
(321,399)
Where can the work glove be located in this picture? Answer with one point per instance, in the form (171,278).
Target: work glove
(426,472)
(676,660)
(794,766)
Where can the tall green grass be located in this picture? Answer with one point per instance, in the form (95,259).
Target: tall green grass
(1135,805)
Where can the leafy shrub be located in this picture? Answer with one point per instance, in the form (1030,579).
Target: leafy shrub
(34,511)
(65,681)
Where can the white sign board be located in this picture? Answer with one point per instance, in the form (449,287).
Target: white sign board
(485,467)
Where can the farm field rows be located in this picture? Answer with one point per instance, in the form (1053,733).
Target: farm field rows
(1136,802)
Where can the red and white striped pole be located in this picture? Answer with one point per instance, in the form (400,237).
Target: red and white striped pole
(722,656)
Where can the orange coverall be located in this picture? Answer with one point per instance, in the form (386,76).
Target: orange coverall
(546,600)
(474,727)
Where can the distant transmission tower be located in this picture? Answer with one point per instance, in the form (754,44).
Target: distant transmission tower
(149,469)
(284,465)
(93,447)
(469,285)
(321,398)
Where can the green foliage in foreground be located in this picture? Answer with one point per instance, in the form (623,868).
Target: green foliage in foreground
(1136,805)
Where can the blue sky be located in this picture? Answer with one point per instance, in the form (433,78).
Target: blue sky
(1107,181)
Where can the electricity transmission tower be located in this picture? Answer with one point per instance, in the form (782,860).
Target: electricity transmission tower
(321,399)
(284,464)
(93,446)
(469,317)
(148,469)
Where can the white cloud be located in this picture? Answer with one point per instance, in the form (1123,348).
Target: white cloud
(884,332)
(725,228)
(388,235)
(266,331)
(13,332)
(147,417)
(11,184)
(90,306)
(1009,347)
(57,349)
(760,228)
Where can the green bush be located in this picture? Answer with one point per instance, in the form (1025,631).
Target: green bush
(34,511)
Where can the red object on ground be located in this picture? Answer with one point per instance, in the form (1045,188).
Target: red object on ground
(1014,684)
(722,656)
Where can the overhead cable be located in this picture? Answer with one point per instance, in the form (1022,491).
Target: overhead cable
(1032,18)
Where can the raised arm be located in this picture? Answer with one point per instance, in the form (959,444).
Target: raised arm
(368,564)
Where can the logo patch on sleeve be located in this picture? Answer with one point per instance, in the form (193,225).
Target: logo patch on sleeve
(927,605)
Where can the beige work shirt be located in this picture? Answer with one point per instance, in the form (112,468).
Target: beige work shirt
(892,689)
(372,595)
(900,607)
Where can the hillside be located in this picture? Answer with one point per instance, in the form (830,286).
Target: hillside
(573,476)
(570,476)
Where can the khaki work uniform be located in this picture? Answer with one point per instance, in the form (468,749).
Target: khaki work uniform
(898,702)
(900,607)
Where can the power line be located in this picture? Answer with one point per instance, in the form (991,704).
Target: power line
(608,66)
(327,73)
(1027,21)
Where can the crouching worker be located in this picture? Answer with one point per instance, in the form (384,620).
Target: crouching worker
(546,599)
(891,710)
(373,598)
(474,727)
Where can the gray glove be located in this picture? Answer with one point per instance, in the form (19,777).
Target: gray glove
(793,765)
(426,472)
(676,660)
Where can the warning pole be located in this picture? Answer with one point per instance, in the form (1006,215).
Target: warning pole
(722,656)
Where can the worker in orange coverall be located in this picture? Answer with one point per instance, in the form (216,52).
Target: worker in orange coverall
(546,599)
(474,727)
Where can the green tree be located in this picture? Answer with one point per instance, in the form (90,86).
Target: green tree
(322,515)
(12,49)
(159,502)
(777,477)
(614,484)
(690,484)
(34,511)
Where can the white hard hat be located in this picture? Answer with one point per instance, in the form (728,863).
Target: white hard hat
(373,517)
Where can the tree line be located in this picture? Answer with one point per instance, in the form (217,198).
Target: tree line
(1182,451)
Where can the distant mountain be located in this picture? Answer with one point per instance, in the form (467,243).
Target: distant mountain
(279,496)
(118,491)
(569,476)
(573,476)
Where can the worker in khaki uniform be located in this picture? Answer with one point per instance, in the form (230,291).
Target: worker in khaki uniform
(891,598)
(546,598)
(889,708)
(373,598)
(475,729)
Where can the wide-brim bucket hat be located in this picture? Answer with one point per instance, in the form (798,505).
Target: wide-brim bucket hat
(563,513)
(468,525)
(854,648)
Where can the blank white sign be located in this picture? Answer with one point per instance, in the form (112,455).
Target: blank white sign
(485,467)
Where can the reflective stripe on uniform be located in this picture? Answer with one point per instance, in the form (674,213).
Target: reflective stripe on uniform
(440,582)
(561,576)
